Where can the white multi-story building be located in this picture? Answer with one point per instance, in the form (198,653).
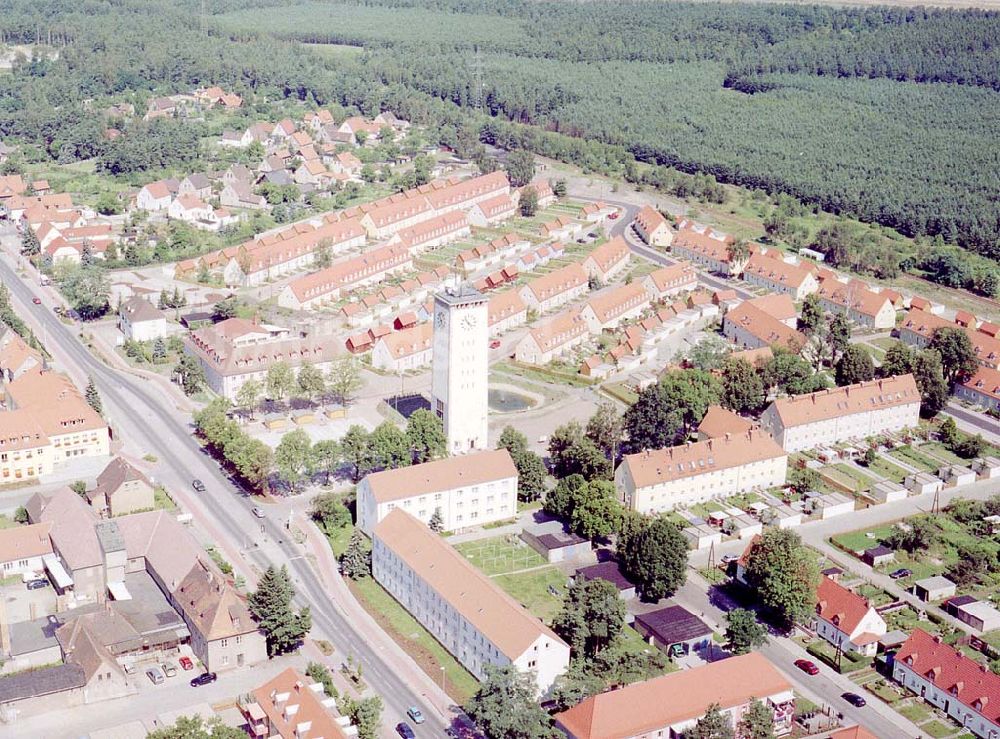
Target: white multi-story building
(837,414)
(663,479)
(468,490)
(459,386)
(847,620)
(466,611)
(652,227)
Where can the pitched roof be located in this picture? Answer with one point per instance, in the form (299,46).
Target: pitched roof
(72,523)
(653,467)
(844,608)
(290,687)
(975,685)
(443,474)
(54,402)
(559,330)
(212,605)
(558,281)
(853,732)
(504,304)
(776,305)
(43,681)
(679,274)
(23,542)
(497,616)
(760,324)
(854,295)
(117,473)
(608,304)
(834,402)
(409,341)
(924,323)
(609,254)
(986,381)
(349,271)
(649,219)
(776,270)
(138,309)
(680,696)
(719,421)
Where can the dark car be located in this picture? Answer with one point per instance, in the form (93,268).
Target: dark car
(900,573)
(204,679)
(807,667)
(38,584)
(854,699)
(198,485)
(405,731)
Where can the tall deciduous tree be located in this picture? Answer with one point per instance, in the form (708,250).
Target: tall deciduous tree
(311,382)
(572,453)
(958,357)
(742,388)
(356,449)
(294,457)
(757,721)
(591,618)
(505,706)
(658,562)
(190,374)
(531,472)
(326,456)
(743,632)
(344,379)
(665,412)
(195,727)
(605,428)
(840,335)
(713,725)
(389,446)
(425,435)
(520,167)
(598,514)
(271,606)
(784,574)
(528,204)
(855,365)
(280,381)
(249,394)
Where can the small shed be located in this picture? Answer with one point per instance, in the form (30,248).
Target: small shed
(988,468)
(956,475)
(611,572)
(673,629)
(933,588)
(923,482)
(877,556)
(197,319)
(743,526)
(337,411)
(700,536)
(833,504)
(833,573)
(275,422)
(783,516)
(888,491)
(303,418)
(978,614)
(556,545)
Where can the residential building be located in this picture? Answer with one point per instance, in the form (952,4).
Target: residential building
(196,184)
(670,705)
(16,357)
(611,307)
(663,479)
(434,232)
(918,327)
(408,349)
(779,276)
(753,325)
(608,260)
(506,310)
(947,679)
(467,490)
(241,195)
(312,290)
(668,281)
(291,706)
(858,302)
(121,489)
(552,290)
(983,388)
(552,338)
(837,414)
(190,209)
(157,196)
(719,421)
(706,247)
(492,211)
(847,620)
(652,227)
(468,613)
(23,549)
(140,320)
(235,350)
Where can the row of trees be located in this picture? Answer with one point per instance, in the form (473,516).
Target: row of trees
(342,381)
(251,458)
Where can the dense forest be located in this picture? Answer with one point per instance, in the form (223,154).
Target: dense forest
(888,115)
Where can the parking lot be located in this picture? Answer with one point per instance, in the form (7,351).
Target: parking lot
(22,604)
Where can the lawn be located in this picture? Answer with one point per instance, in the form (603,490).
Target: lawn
(888,470)
(531,590)
(916,712)
(500,555)
(162,499)
(915,459)
(833,473)
(857,475)
(6,523)
(414,638)
(858,541)
(938,729)
(937,450)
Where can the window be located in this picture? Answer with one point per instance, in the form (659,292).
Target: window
(224,643)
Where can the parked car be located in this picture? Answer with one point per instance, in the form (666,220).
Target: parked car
(613,216)
(186,663)
(900,573)
(36,301)
(405,730)
(414,713)
(727,558)
(198,485)
(807,667)
(257,511)
(204,679)
(168,669)
(495,344)
(155,675)
(38,584)
(855,700)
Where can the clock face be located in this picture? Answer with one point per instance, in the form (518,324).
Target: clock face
(441,319)
(469,321)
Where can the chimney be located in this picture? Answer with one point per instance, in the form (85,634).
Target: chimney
(728,436)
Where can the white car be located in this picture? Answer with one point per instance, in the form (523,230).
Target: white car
(257,511)
(155,675)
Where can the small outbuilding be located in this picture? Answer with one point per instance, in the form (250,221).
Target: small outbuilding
(923,482)
(556,544)
(674,629)
(610,571)
(934,588)
(887,491)
(877,556)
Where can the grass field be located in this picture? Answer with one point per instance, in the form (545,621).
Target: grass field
(863,481)
(500,555)
(888,470)
(531,589)
(915,459)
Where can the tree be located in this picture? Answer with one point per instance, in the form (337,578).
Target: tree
(605,429)
(79,487)
(86,288)
(840,335)
(709,353)
(326,456)
(738,251)
(344,379)
(970,447)
(783,573)
(357,451)
(225,309)
(531,472)
(958,357)
(271,606)
(597,514)
(279,381)
(591,618)
(329,511)
(436,524)
(948,432)
(898,360)
(356,561)
(743,633)
(917,535)
(248,396)
(293,456)
(365,714)
(323,255)
(576,684)
(505,706)
(665,412)
(786,372)
(320,673)
(190,374)
(742,388)
(311,381)
(855,365)
(93,397)
(159,350)
(559,188)
(520,167)
(757,721)
(713,725)
(390,448)
(802,479)
(658,565)
(195,727)
(30,245)
(571,453)
(529,202)
(425,436)
(928,373)
(775,225)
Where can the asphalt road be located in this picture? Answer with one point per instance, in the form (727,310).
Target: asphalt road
(989,426)
(144,414)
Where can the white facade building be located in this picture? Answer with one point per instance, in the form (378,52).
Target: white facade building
(846,619)
(459,386)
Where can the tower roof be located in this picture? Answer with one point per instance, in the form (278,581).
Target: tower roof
(462,294)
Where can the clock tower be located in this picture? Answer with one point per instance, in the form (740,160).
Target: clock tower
(459,384)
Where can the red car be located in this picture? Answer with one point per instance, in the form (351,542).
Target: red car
(612,216)
(36,301)
(186,663)
(807,667)
(495,344)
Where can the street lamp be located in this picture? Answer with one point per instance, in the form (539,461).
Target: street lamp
(442,677)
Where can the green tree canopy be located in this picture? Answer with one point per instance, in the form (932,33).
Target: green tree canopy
(505,706)
(656,559)
(271,606)
(591,618)
(425,435)
(784,574)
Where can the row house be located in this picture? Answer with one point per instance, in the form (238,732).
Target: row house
(535,258)
(466,611)
(778,276)
(754,325)
(157,196)
(668,281)
(309,291)
(562,228)
(433,233)
(12,185)
(609,308)
(292,706)
(658,480)
(556,288)
(464,194)
(858,302)
(506,311)
(836,415)
(847,620)
(596,212)
(404,350)
(68,244)
(982,389)
(553,338)
(653,227)
(918,327)
(707,248)
(385,220)
(492,211)
(608,260)
(485,256)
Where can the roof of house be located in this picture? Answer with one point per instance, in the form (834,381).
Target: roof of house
(761,324)
(558,281)
(15,354)
(409,341)
(442,474)
(609,571)
(609,254)
(974,684)
(653,467)
(137,309)
(798,410)
(719,421)
(924,323)
(679,696)
(558,330)
(986,381)
(349,271)
(841,607)
(612,302)
(681,273)
(166,545)
(113,476)
(72,522)
(23,542)
(649,219)
(289,688)
(505,304)
(43,681)
(212,605)
(497,616)
(852,732)
(673,624)
(853,295)
(776,271)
